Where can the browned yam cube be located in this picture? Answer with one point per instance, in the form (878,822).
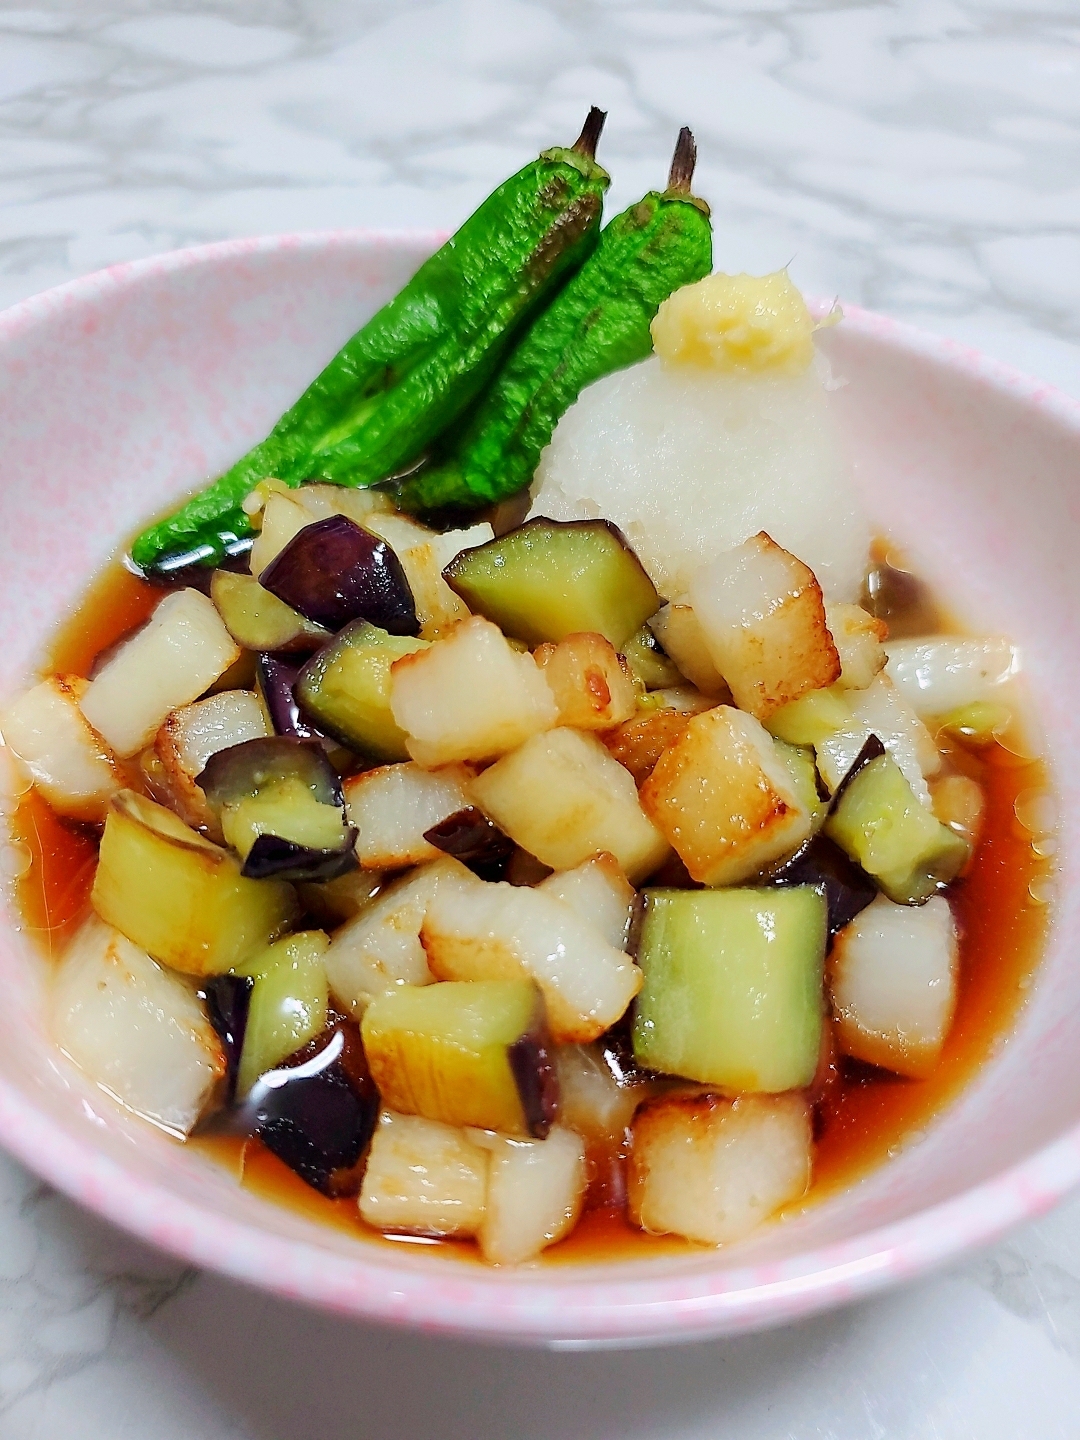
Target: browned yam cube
(639,743)
(763,618)
(859,638)
(723,797)
(591,683)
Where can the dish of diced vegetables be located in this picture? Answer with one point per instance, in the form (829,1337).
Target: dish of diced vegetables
(516,801)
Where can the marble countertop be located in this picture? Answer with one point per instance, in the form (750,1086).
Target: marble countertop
(921,157)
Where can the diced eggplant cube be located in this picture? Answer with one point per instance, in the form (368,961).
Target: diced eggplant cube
(137,1030)
(468,1053)
(592,686)
(280,806)
(763,618)
(648,665)
(380,947)
(288,1006)
(599,893)
(189,737)
(70,764)
(335,571)
(733,986)
(318,1111)
(172,660)
(892,977)
(424,1178)
(345,690)
(714,1169)
(259,621)
(877,820)
(813,718)
(548,579)
(478,931)
(725,799)
(535,1194)
(564,799)
(469,696)
(392,806)
(177,895)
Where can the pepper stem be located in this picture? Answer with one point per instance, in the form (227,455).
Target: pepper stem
(585,144)
(682,163)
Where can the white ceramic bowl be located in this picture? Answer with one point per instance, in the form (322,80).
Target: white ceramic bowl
(122,391)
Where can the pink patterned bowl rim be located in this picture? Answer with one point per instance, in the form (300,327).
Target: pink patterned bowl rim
(554,1307)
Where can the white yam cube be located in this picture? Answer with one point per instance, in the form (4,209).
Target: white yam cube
(593,1099)
(943,672)
(860,642)
(70,764)
(724,797)
(476,930)
(892,976)
(880,710)
(598,892)
(171,661)
(563,798)
(380,949)
(535,1192)
(423,1178)
(393,805)
(714,1169)
(469,696)
(135,1028)
(592,685)
(677,629)
(189,736)
(763,618)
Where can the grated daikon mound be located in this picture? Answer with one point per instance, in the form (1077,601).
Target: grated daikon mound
(690,462)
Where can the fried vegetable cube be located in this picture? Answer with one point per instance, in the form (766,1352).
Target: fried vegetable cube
(466,1053)
(725,799)
(469,696)
(563,798)
(714,1169)
(763,618)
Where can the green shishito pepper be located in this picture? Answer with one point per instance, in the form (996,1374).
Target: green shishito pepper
(598,323)
(422,360)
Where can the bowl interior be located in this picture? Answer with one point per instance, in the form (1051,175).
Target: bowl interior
(121,392)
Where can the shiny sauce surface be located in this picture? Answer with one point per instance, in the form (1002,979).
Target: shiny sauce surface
(865,1117)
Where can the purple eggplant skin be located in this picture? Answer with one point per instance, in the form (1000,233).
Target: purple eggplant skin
(469,836)
(272,858)
(240,770)
(848,889)
(335,571)
(275,679)
(317,1112)
(227,999)
(537,1081)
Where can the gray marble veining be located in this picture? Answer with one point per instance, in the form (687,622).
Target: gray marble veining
(918,156)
